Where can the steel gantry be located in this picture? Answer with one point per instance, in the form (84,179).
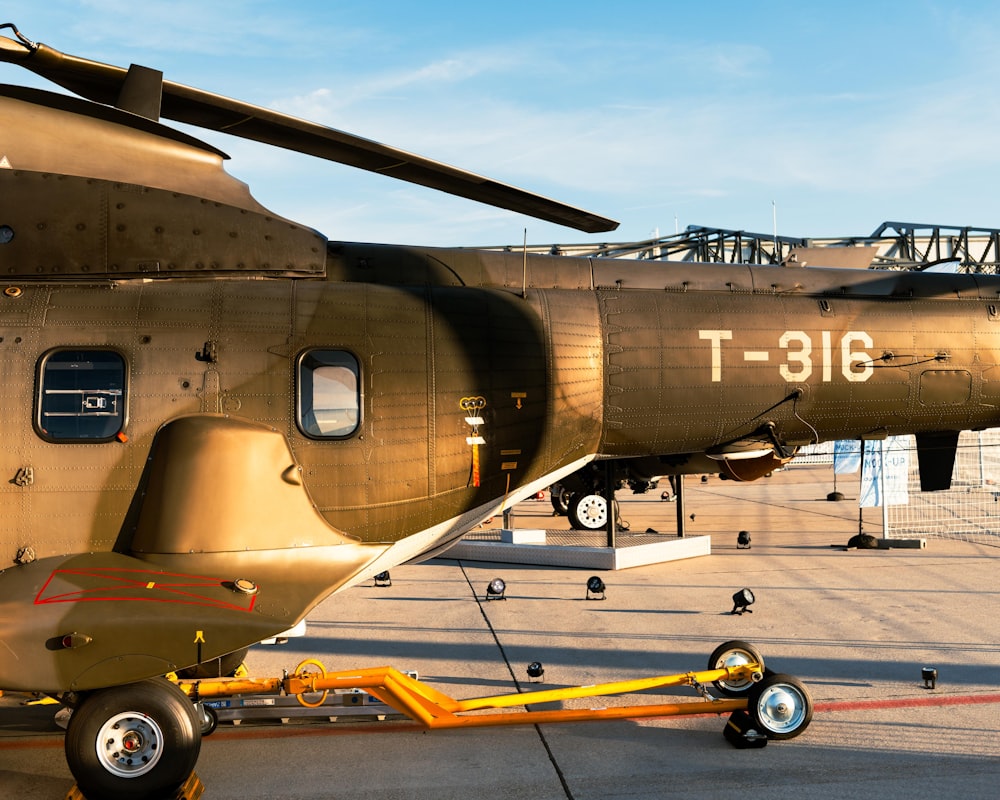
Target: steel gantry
(892,245)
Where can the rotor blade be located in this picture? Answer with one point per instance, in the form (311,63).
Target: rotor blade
(104,83)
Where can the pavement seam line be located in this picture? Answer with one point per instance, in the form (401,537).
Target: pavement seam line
(517,683)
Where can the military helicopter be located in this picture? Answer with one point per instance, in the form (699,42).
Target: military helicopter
(214,417)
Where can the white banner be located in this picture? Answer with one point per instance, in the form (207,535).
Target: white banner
(885,471)
(846,456)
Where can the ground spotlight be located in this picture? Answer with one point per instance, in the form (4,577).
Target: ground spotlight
(743,540)
(742,601)
(929,674)
(383,579)
(495,590)
(595,586)
(536,671)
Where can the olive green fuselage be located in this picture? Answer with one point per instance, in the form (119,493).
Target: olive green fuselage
(654,360)
(213,418)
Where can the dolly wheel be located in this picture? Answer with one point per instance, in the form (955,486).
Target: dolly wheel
(735,653)
(137,740)
(781,706)
(209,719)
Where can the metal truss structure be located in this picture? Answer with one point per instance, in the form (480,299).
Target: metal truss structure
(893,245)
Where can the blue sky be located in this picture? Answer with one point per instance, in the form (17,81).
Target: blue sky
(658,114)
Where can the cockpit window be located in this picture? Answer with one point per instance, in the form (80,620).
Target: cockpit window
(329,394)
(81,395)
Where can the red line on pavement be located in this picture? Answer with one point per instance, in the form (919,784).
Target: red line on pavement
(39,743)
(908,702)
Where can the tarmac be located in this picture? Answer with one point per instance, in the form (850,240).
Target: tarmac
(858,627)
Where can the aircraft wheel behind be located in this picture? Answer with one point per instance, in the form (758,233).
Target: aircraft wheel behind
(589,512)
(559,497)
(137,740)
(780,706)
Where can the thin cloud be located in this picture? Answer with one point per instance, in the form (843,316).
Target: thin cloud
(707,112)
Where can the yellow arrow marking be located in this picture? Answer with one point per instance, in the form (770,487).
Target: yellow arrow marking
(199,637)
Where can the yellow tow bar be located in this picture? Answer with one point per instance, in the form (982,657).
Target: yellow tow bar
(434,709)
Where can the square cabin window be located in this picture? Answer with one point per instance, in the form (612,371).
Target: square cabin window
(329,394)
(81,395)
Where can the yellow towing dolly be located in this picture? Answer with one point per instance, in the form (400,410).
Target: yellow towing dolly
(777,706)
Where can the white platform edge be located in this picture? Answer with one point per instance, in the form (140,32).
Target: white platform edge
(522,536)
(607,558)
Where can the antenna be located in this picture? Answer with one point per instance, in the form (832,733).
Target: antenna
(774,222)
(524,266)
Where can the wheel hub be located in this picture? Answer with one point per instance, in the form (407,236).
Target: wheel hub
(780,709)
(129,744)
(593,511)
(132,742)
(732,660)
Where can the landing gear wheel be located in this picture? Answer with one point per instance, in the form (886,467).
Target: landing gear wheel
(137,740)
(780,706)
(735,653)
(589,512)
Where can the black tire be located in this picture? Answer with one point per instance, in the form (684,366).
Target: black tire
(154,718)
(731,654)
(589,512)
(559,497)
(780,706)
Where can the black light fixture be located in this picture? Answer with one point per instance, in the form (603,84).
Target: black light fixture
(742,601)
(595,586)
(495,590)
(929,674)
(743,540)
(383,579)
(536,671)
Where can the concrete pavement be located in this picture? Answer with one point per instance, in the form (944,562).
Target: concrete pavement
(856,626)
